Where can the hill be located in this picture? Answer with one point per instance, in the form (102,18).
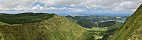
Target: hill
(32,26)
(132,29)
(99,21)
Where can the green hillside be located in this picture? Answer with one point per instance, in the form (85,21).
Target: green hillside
(132,29)
(24,17)
(2,23)
(39,27)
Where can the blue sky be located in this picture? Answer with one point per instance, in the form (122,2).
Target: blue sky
(71,7)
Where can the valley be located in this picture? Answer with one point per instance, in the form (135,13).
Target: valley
(99,27)
(70,20)
(47,26)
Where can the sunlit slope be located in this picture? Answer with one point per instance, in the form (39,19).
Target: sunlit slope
(132,29)
(2,23)
(53,28)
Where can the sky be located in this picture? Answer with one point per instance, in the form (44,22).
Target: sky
(71,7)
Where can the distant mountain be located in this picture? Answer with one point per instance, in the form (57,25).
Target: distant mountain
(40,26)
(132,29)
(96,21)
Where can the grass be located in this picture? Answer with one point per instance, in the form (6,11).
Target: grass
(97,33)
(1,23)
(98,29)
(24,18)
(130,27)
(53,28)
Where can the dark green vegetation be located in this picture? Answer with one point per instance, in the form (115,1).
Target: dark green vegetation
(102,33)
(132,29)
(99,27)
(106,24)
(90,21)
(24,18)
(108,33)
(40,27)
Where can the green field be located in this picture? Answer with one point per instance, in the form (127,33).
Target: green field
(97,32)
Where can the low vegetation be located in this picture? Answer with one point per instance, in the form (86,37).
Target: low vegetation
(100,30)
(50,27)
(24,17)
(131,29)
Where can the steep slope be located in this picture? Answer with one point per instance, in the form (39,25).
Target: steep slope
(132,29)
(2,23)
(53,28)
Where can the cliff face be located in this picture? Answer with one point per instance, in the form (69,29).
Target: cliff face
(54,28)
(132,29)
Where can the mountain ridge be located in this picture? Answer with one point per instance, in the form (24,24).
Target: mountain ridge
(131,29)
(54,28)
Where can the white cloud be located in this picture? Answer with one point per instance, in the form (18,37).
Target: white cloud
(15,3)
(76,10)
(114,5)
(66,9)
(69,2)
(72,5)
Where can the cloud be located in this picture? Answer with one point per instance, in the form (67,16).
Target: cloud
(114,5)
(74,5)
(76,10)
(66,9)
(15,3)
(69,2)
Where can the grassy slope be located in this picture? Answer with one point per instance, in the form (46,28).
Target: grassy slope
(117,25)
(132,25)
(99,32)
(1,23)
(54,28)
(24,17)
